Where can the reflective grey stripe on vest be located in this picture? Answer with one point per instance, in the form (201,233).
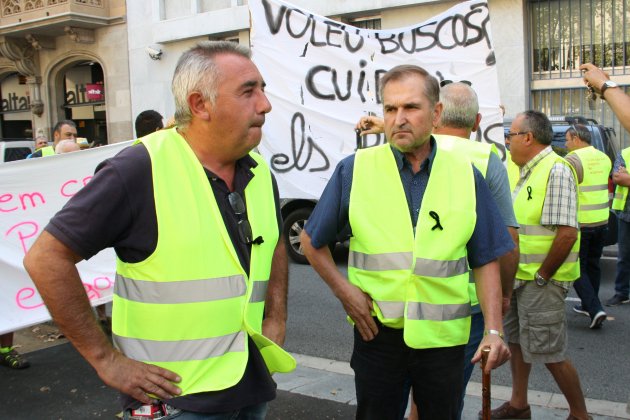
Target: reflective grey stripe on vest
(594,207)
(437,268)
(535,230)
(589,188)
(380,262)
(187,291)
(539,258)
(618,196)
(431,312)
(391,310)
(259,292)
(180,350)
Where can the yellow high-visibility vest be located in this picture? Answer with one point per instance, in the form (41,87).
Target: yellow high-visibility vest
(418,282)
(535,239)
(593,191)
(513,171)
(189,307)
(621,192)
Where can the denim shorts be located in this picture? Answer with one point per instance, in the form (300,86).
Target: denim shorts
(537,321)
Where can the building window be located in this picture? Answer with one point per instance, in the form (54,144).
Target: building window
(365,22)
(567,33)
(572,101)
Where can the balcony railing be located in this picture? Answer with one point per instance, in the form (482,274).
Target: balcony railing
(16,7)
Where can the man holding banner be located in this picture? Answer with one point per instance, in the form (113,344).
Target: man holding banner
(415,229)
(193,217)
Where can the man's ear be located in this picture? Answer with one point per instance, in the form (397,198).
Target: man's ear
(477,121)
(437,113)
(198,106)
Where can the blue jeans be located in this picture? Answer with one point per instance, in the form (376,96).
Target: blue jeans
(587,286)
(622,281)
(253,412)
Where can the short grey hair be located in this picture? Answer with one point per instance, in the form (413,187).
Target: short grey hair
(460,106)
(197,71)
(581,132)
(539,125)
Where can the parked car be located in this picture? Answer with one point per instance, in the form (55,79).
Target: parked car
(602,138)
(15,149)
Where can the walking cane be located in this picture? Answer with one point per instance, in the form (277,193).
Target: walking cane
(485,385)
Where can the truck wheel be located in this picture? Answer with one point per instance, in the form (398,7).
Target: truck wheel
(292,228)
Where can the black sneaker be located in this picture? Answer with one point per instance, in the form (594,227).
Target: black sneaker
(14,360)
(578,309)
(617,300)
(598,320)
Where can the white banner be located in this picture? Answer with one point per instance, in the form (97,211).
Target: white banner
(323,75)
(31,192)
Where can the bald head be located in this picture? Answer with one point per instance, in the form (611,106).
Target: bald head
(67,146)
(461,107)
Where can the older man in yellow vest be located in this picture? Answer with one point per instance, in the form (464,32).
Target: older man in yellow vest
(189,298)
(545,203)
(415,231)
(592,168)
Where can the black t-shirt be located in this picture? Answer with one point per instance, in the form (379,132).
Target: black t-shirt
(117,209)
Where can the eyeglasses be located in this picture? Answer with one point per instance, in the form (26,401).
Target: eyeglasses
(244,228)
(447,82)
(508,136)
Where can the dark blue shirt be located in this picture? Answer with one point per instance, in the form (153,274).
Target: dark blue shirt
(489,240)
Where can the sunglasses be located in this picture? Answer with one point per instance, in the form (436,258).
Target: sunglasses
(448,82)
(244,228)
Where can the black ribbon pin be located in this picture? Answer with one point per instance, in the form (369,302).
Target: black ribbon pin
(529,192)
(436,217)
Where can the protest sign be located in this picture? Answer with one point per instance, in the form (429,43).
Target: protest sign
(31,192)
(322,75)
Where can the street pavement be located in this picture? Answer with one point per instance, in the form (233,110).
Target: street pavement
(61,385)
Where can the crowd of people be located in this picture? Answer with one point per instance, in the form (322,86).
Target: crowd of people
(439,268)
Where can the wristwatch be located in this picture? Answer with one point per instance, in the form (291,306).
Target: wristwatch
(607,84)
(540,280)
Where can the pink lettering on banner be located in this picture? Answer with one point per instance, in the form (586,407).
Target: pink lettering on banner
(97,285)
(5,198)
(28,298)
(72,186)
(24,299)
(23,199)
(24,231)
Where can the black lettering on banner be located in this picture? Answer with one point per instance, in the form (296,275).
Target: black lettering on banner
(327,76)
(273,24)
(281,163)
(311,86)
(500,146)
(290,30)
(448,33)
(330,30)
(297,28)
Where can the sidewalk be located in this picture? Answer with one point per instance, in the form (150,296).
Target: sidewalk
(332,380)
(61,385)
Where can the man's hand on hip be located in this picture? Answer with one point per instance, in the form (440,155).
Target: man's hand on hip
(142,381)
(358,306)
